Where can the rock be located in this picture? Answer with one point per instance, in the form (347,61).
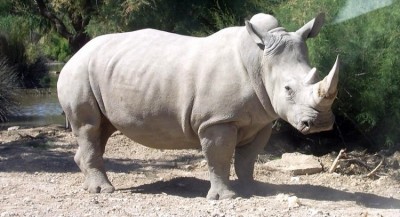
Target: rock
(203,163)
(4,214)
(13,128)
(395,164)
(188,167)
(293,201)
(396,156)
(27,200)
(296,163)
(295,179)
(315,212)
(281,197)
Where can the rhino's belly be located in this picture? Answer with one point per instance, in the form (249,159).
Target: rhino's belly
(156,125)
(161,136)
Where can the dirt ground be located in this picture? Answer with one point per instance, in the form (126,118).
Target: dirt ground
(38,177)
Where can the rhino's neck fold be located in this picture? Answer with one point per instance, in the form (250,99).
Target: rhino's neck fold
(251,56)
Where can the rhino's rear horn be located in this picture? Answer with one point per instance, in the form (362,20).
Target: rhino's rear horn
(312,77)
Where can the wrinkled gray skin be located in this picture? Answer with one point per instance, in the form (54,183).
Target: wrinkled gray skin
(219,93)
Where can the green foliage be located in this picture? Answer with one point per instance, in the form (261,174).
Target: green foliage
(195,17)
(7,85)
(14,26)
(173,16)
(374,80)
(55,47)
(34,74)
(113,17)
(28,74)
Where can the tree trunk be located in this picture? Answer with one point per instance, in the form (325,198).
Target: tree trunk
(77,41)
(76,37)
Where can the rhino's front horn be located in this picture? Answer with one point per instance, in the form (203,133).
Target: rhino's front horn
(326,90)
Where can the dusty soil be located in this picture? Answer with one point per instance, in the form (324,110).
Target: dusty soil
(38,177)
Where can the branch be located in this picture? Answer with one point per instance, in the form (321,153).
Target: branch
(376,168)
(89,11)
(336,161)
(57,22)
(76,20)
(80,20)
(357,161)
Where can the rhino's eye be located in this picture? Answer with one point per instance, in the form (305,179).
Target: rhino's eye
(289,92)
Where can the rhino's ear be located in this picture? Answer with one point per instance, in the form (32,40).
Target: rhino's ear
(259,26)
(312,28)
(256,37)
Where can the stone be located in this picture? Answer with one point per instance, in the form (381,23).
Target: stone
(395,164)
(188,167)
(13,128)
(296,163)
(293,201)
(315,212)
(396,155)
(295,179)
(281,197)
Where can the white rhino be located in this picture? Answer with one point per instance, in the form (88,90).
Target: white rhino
(219,93)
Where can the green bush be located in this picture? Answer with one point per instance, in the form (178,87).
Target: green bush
(7,85)
(369,48)
(55,47)
(34,75)
(195,17)
(28,74)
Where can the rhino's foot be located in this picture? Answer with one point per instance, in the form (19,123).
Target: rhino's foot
(246,188)
(220,194)
(98,184)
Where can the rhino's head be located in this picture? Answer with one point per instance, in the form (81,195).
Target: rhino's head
(294,88)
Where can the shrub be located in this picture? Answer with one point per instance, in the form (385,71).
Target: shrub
(34,75)
(7,85)
(28,74)
(55,47)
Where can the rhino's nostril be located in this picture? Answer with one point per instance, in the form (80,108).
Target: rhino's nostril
(306,124)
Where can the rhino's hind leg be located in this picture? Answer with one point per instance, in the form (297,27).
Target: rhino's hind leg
(92,131)
(89,157)
(218,144)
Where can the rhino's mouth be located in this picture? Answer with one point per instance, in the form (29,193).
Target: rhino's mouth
(321,123)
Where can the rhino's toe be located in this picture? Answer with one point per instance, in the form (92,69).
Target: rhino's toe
(220,195)
(98,186)
(105,188)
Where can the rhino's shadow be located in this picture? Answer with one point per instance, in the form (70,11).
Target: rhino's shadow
(42,155)
(193,187)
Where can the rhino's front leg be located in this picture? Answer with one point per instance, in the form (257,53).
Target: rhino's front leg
(218,143)
(246,156)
